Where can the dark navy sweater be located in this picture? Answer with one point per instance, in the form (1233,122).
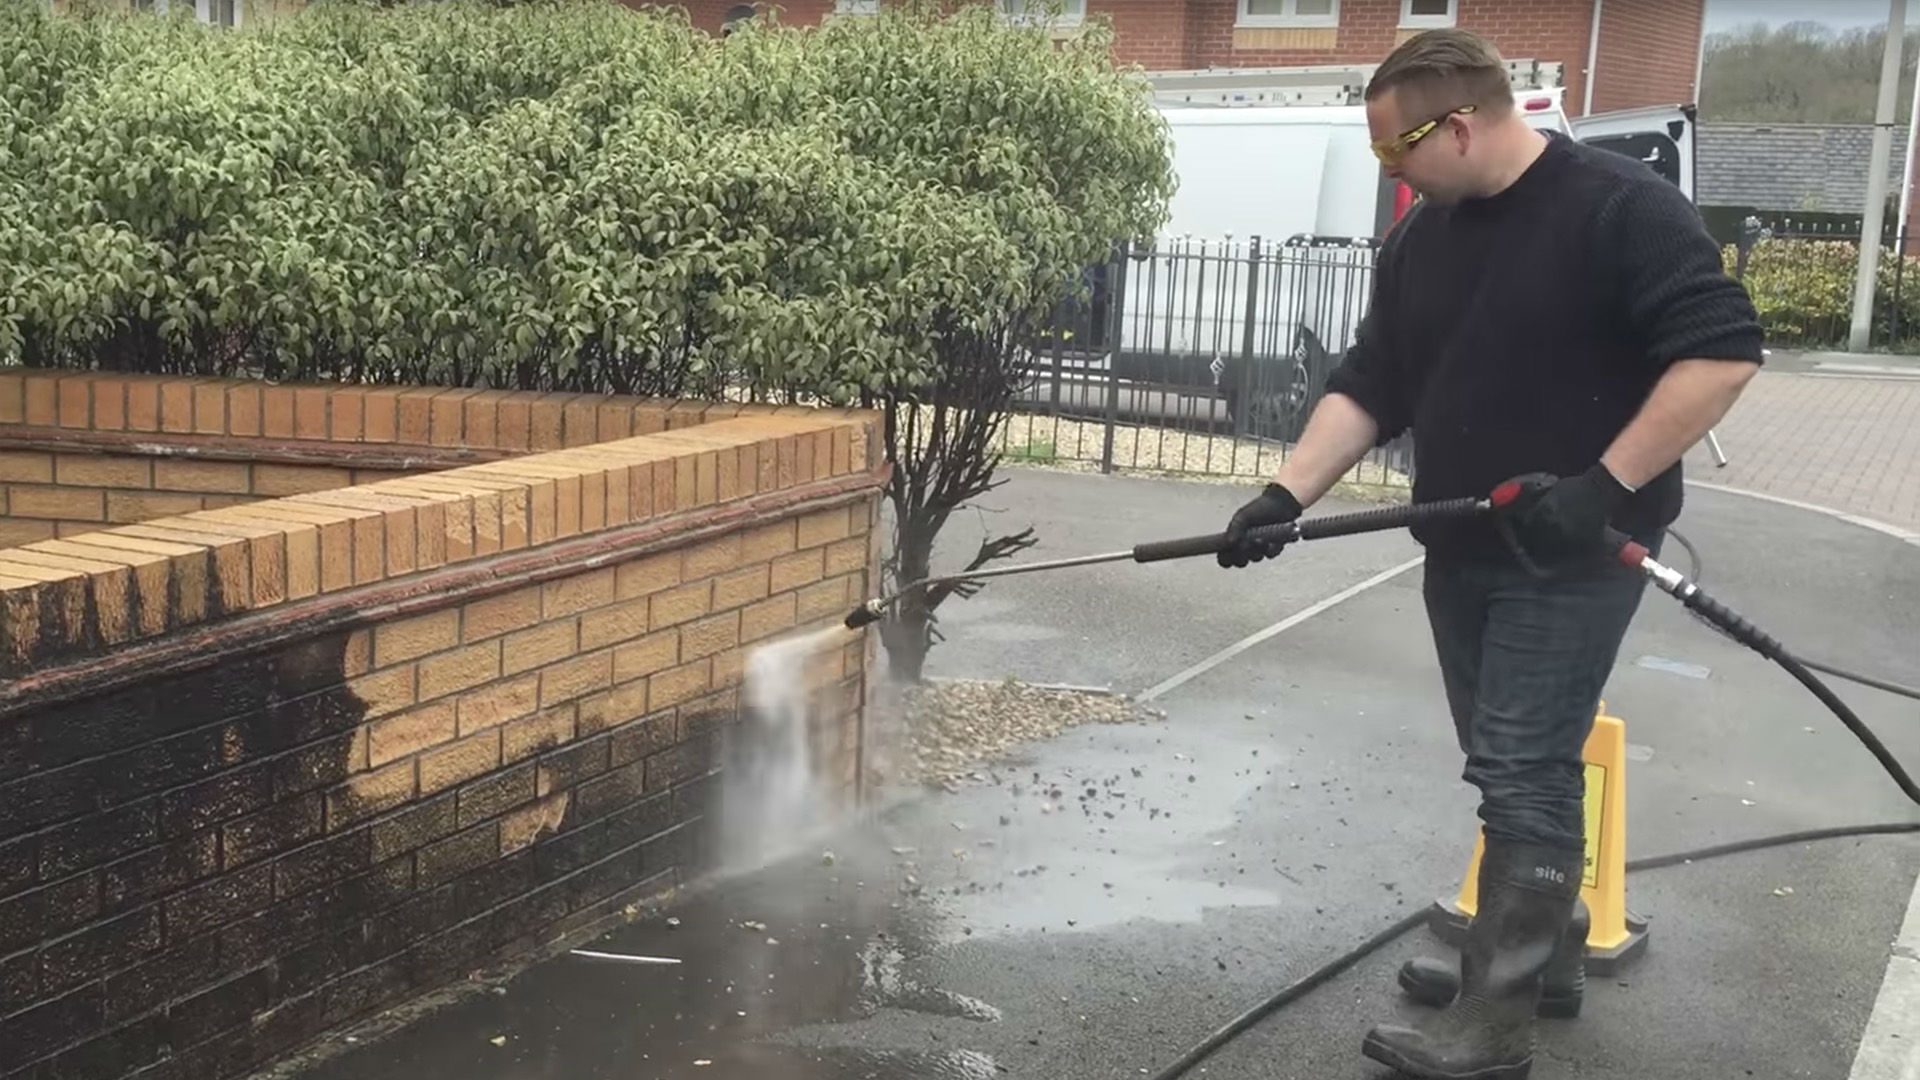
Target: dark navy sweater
(1522,332)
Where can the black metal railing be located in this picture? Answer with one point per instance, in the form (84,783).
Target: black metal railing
(1800,274)
(1199,357)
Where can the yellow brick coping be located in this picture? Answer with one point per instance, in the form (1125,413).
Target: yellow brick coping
(63,598)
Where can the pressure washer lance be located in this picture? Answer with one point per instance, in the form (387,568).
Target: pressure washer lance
(1320,528)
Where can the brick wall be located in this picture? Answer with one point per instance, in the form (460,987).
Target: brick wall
(265,770)
(44,494)
(1153,35)
(79,451)
(1365,35)
(1649,51)
(1551,31)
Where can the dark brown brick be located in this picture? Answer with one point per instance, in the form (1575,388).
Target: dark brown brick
(43,798)
(35,1034)
(362,991)
(87,956)
(443,956)
(18,860)
(642,738)
(566,768)
(318,864)
(168,975)
(158,871)
(415,827)
(218,901)
(225,797)
(709,714)
(282,826)
(317,765)
(101,838)
(496,794)
(61,734)
(602,795)
(173,762)
(23,920)
(225,1006)
(449,858)
(307,967)
(696,798)
(122,1052)
(333,911)
(679,847)
(19,982)
(587,844)
(683,762)
(72,903)
(216,693)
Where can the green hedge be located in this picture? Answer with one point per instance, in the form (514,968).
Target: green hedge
(1803,290)
(554,194)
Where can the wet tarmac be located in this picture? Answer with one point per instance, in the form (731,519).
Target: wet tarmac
(800,945)
(1094,904)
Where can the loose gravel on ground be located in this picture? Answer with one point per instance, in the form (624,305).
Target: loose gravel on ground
(957,728)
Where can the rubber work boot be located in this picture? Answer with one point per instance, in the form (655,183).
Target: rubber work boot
(1527,894)
(1432,982)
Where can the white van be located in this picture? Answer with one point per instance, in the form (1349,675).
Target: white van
(1213,331)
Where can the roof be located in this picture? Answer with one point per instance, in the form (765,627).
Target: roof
(1787,167)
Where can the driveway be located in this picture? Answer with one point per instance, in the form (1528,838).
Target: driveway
(1105,899)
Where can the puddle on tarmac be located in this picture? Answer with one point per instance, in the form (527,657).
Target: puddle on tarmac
(887,987)
(795,1063)
(768,962)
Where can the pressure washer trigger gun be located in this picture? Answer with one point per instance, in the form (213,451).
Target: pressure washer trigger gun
(1510,500)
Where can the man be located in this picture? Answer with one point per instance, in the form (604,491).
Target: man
(1547,307)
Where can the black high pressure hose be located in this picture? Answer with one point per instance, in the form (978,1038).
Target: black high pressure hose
(1726,621)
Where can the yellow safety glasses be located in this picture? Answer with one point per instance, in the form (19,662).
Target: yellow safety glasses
(1392,151)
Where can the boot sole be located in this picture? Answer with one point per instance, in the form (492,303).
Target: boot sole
(1550,1008)
(1393,1059)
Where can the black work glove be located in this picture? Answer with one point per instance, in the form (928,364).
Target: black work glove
(1274,506)
(1571,518)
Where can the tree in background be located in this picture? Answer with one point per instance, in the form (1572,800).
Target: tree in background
(1800,72)
(572,195)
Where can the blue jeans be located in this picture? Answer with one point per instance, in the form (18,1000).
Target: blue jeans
(1524,662)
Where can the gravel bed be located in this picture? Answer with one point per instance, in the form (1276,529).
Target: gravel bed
(955,730)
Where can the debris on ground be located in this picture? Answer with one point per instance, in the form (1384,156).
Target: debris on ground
(954,726)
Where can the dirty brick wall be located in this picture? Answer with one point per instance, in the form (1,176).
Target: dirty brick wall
(267,769)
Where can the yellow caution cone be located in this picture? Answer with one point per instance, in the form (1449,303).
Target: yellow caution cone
(1617,934)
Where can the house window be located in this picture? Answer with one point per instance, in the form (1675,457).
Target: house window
(1427,14)
(1055,12)
(1312,13)
(856,7)
(217,12)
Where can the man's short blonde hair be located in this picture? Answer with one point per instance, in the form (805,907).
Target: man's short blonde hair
(1441,70)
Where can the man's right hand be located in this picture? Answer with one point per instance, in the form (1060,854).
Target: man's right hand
(1274,506)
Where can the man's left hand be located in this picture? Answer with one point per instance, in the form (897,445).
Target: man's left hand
(1571,518)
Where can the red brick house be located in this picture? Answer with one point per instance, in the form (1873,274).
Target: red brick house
(1641,52)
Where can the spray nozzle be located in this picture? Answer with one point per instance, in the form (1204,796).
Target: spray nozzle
(865,615)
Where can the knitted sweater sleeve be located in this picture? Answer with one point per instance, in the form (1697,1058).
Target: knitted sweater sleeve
(1371,372)
(1678,300)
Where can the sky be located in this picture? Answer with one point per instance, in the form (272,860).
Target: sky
(1839,14)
